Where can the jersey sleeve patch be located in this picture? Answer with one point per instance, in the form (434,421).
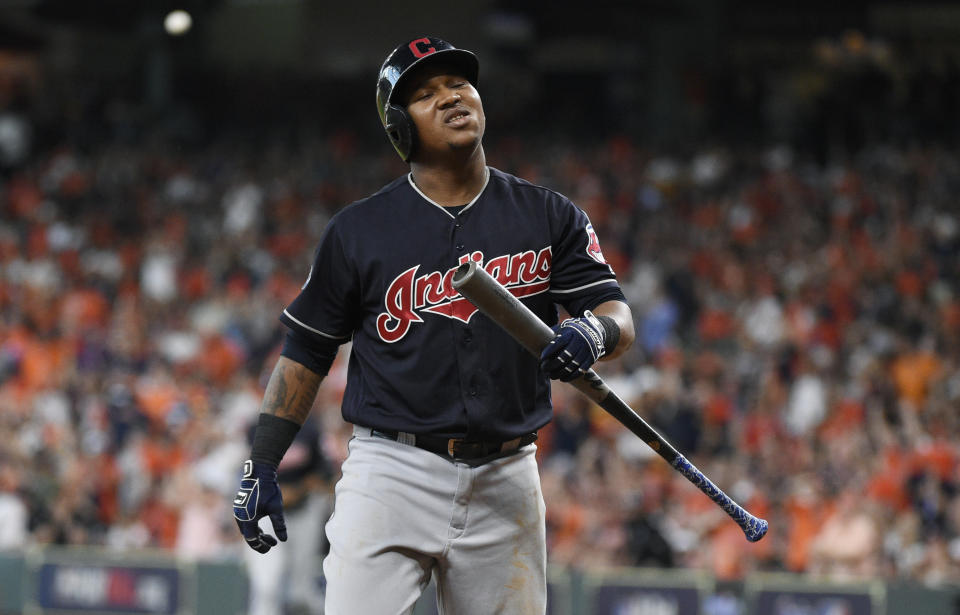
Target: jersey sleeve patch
(593,245)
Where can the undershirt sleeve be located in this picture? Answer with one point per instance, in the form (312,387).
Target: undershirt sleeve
(317,355)
(326,308)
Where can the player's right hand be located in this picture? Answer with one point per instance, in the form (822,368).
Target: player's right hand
(259,497)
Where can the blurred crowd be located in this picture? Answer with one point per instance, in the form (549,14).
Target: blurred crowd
(799,329)
(798,339)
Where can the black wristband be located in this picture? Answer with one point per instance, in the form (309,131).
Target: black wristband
(611,333)
(272,438)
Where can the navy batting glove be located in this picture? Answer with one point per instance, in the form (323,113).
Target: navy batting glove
(579,342)
(259,497)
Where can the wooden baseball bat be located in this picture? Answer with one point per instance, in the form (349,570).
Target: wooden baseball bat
(491,298)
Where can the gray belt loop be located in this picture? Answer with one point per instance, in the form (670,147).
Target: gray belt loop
(361,431)
(403,437)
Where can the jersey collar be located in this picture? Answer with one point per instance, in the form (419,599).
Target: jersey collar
(486,180)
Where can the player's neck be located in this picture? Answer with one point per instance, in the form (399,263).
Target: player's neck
(451,184)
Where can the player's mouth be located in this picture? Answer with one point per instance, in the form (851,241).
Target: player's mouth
(456,117)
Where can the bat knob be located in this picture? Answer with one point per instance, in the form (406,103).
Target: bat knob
(755,528)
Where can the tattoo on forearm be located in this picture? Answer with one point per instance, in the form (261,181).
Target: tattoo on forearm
(291,391)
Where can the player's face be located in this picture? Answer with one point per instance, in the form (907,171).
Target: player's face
(447,111)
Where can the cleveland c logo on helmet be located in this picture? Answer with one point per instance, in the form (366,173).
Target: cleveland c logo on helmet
(396,68)
(415,47)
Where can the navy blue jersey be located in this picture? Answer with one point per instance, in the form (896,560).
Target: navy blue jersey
(424,360)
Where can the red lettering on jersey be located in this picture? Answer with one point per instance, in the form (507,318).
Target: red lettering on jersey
(417,51)
(524,266)
(523,274)
(429,289)
(498,269)
(529,289)
(461,309)
(476,255)
(544,259)
(395,322)
(448,291)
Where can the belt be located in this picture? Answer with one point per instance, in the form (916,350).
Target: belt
(455,448)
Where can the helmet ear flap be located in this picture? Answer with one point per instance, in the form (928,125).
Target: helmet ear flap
(401,130)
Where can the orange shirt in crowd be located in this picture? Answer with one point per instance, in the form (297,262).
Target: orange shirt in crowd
(44,362)
(913,374)
(220,360)
(938,457)
(84,309)
(161,457)
(803,521)
(156,398)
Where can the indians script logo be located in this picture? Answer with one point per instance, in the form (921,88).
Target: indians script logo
(409,295)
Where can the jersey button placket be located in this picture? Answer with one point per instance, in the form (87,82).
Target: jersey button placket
(471,391)
(457,225)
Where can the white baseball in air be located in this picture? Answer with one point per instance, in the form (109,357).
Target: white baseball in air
(177,22)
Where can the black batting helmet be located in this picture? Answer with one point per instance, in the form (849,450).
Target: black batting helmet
(398,65)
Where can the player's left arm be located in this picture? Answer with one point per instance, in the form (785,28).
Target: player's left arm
(622,317)
(286,404)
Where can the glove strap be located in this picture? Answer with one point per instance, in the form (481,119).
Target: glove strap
(272,438)
(590,329)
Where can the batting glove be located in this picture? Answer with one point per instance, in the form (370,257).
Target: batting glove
(259,497)
(579,342)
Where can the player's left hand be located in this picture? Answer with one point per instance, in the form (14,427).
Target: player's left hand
(579,342)
(259,496)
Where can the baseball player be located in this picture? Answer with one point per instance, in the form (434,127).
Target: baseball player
(440,479)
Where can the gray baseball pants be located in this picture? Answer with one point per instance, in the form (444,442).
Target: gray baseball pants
(402,515)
